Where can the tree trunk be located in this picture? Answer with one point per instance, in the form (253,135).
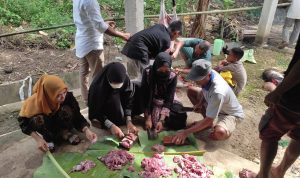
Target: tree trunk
(198,29)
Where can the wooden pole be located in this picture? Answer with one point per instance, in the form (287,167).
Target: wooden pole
(198,28)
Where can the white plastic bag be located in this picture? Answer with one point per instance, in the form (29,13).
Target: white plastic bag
(21,90)
(164,18)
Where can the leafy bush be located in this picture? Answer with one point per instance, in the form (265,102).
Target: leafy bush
(46,13)
(9,18)
(48,18)
(65,37)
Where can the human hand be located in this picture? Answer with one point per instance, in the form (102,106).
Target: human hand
(148,123)
(223,63)
(178,70)
(91,136)
(112,24)
(159,127)
(126,36)
(131,128)
(42,145)
(174,55)
(179,138)
(115,130)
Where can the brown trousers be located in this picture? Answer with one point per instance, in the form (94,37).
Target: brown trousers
(90,66)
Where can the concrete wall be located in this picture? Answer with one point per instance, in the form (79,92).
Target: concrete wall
(9,93)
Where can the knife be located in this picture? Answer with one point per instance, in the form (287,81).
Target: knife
(152,135)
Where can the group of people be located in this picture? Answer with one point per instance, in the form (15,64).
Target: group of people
(52,113)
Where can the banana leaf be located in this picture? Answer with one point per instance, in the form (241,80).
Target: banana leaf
(102,147)
(147,144)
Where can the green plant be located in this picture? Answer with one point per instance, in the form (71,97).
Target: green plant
(65,37)
(49,17)
(9,18)
(46,13)
(226,5)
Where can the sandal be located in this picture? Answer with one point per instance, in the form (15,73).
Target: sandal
(51,147)
(74,139)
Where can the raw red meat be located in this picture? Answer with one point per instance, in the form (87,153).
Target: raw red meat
(190,167)
(158,148)
(116,159)
(83,166)
(155,167)
(128,140)
(131,168)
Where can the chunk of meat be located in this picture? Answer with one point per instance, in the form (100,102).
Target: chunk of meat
(167,141)
(158,148)
(131,168)
(189,166)
(84,166)
(116,159)
(128,140)
(155,167)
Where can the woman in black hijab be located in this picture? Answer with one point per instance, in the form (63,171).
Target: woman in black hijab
(110,99)
(159,85)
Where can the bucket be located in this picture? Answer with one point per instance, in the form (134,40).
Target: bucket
(218,45)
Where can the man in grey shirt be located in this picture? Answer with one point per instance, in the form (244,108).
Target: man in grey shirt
(216,101)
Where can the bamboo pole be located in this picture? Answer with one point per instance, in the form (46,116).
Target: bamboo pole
(57,166)
(149,16)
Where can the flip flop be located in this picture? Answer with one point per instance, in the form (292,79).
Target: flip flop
(74,139)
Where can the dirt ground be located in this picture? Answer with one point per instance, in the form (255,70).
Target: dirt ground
(32,61)
(244,141)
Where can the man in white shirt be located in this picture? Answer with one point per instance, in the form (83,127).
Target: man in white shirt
(216,101)
(292,18)
(89,40)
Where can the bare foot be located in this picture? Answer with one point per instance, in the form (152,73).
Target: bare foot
(276,173)
(245,173)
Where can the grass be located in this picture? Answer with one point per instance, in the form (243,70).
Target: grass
(282,61)
(266,58)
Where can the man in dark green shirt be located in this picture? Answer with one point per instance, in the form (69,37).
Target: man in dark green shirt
(192,49)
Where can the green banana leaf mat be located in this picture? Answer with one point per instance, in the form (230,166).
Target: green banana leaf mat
(103,146)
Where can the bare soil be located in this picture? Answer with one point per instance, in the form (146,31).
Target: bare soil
(27,61)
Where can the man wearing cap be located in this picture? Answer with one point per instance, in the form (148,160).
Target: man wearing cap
(216,102)
(192,49)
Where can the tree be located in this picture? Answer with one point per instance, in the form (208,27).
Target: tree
(198,28)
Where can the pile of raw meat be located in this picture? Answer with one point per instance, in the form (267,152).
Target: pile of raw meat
(128,140)
(83,166)
(190,167)
(155,167)
(116,159)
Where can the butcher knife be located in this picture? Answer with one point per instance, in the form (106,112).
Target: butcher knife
(152,135)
